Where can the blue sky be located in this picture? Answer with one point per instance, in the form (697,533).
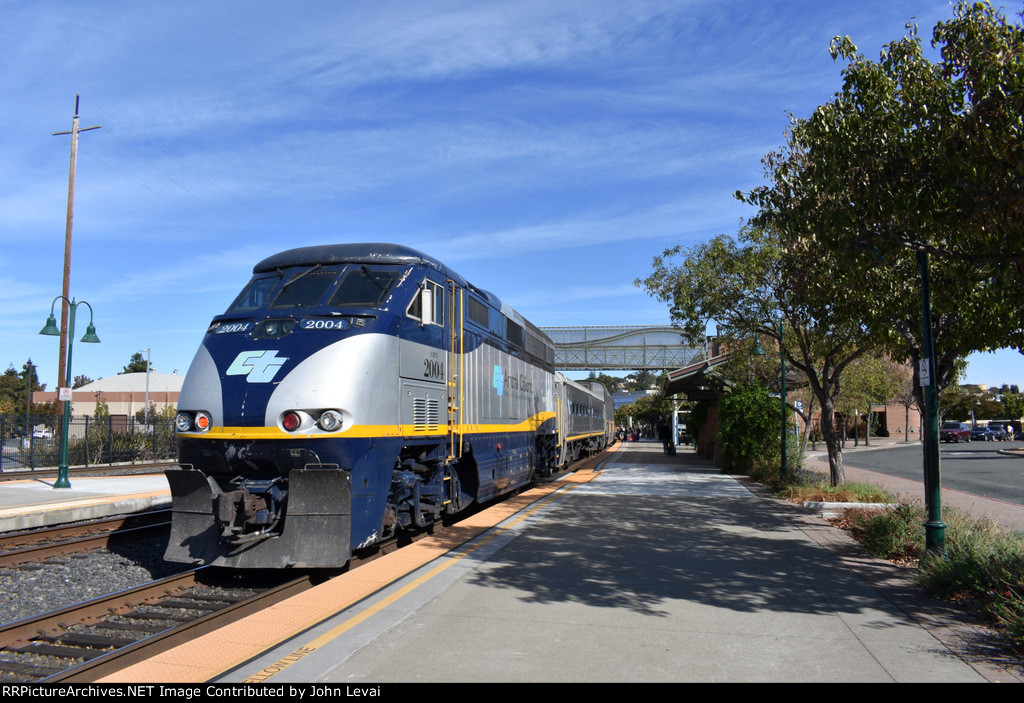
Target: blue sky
(545,150)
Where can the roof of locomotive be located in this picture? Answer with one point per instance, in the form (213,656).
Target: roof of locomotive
(381,253)
(365,253)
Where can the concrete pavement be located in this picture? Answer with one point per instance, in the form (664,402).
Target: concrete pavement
(659,570)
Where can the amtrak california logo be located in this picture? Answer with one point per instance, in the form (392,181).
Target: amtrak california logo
(258,366)
(499,379)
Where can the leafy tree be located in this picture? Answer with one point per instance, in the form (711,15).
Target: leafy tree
(914,159)
(141,415)
(870,380)
(966,402)
(744,285)
(1013,406)
(137,364)
(9,387)
(15,387)
(645,411)
(81,380)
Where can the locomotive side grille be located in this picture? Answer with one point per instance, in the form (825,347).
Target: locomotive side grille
(425,414)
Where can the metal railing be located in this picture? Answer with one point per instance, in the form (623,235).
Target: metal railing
(35,443)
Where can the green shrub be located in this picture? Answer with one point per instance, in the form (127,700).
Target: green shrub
(983,565)
(896,533)
(748,429)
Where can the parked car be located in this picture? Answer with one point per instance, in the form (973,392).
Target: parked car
(999,433)
(983,434)
(955,432)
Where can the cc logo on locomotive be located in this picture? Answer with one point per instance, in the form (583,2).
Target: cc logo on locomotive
(258,366)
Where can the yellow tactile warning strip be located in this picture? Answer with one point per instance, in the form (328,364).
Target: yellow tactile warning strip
(207,656)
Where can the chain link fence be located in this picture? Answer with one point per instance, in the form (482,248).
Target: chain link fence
(33,442)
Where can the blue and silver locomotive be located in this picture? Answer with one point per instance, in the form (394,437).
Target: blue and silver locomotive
(352,392)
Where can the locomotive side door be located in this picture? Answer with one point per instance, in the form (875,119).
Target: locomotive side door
(423,362)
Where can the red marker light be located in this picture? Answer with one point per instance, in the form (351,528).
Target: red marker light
(202,421)
(291,421)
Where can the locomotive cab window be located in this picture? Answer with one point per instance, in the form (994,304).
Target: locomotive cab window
(255,294)
(427,305)
(305,290)
(363,288)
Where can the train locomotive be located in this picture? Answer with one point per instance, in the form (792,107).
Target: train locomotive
(354,392)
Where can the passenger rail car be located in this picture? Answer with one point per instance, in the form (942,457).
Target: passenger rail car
(355,391)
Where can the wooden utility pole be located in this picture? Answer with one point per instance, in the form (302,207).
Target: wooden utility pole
(62,379)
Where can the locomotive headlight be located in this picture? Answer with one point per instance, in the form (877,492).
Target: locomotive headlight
(330,420)
(183,422)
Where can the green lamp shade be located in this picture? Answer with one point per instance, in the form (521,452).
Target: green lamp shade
(51,327)
(90,335)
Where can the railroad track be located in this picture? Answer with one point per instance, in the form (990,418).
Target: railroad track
(88,640)
(84,642)
(33,546)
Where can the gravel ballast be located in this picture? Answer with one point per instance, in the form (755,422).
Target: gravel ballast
(31,590)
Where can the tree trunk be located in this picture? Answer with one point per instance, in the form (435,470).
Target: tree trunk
(837,473)
(808,422)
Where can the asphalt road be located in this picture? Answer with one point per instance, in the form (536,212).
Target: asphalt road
(973,467)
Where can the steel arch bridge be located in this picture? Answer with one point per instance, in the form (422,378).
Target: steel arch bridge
(622,348)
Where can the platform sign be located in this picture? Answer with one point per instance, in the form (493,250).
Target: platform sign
(64,394)
(925,373)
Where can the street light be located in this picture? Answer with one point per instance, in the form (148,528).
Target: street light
(758,350)
(146,411)
(934,528)
(65,393)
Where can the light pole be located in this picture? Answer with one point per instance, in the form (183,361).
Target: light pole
(146,411)
(64,393)
(758,350)
(934,528)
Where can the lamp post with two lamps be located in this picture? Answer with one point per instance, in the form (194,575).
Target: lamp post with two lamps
(64,393)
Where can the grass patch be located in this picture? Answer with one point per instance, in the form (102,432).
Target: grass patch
(810,490)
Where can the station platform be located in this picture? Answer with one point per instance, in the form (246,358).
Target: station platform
(31,503)
(645,569)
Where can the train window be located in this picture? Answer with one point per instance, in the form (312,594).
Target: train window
(255,294)
(362,288)
(304,291)
(431,294)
